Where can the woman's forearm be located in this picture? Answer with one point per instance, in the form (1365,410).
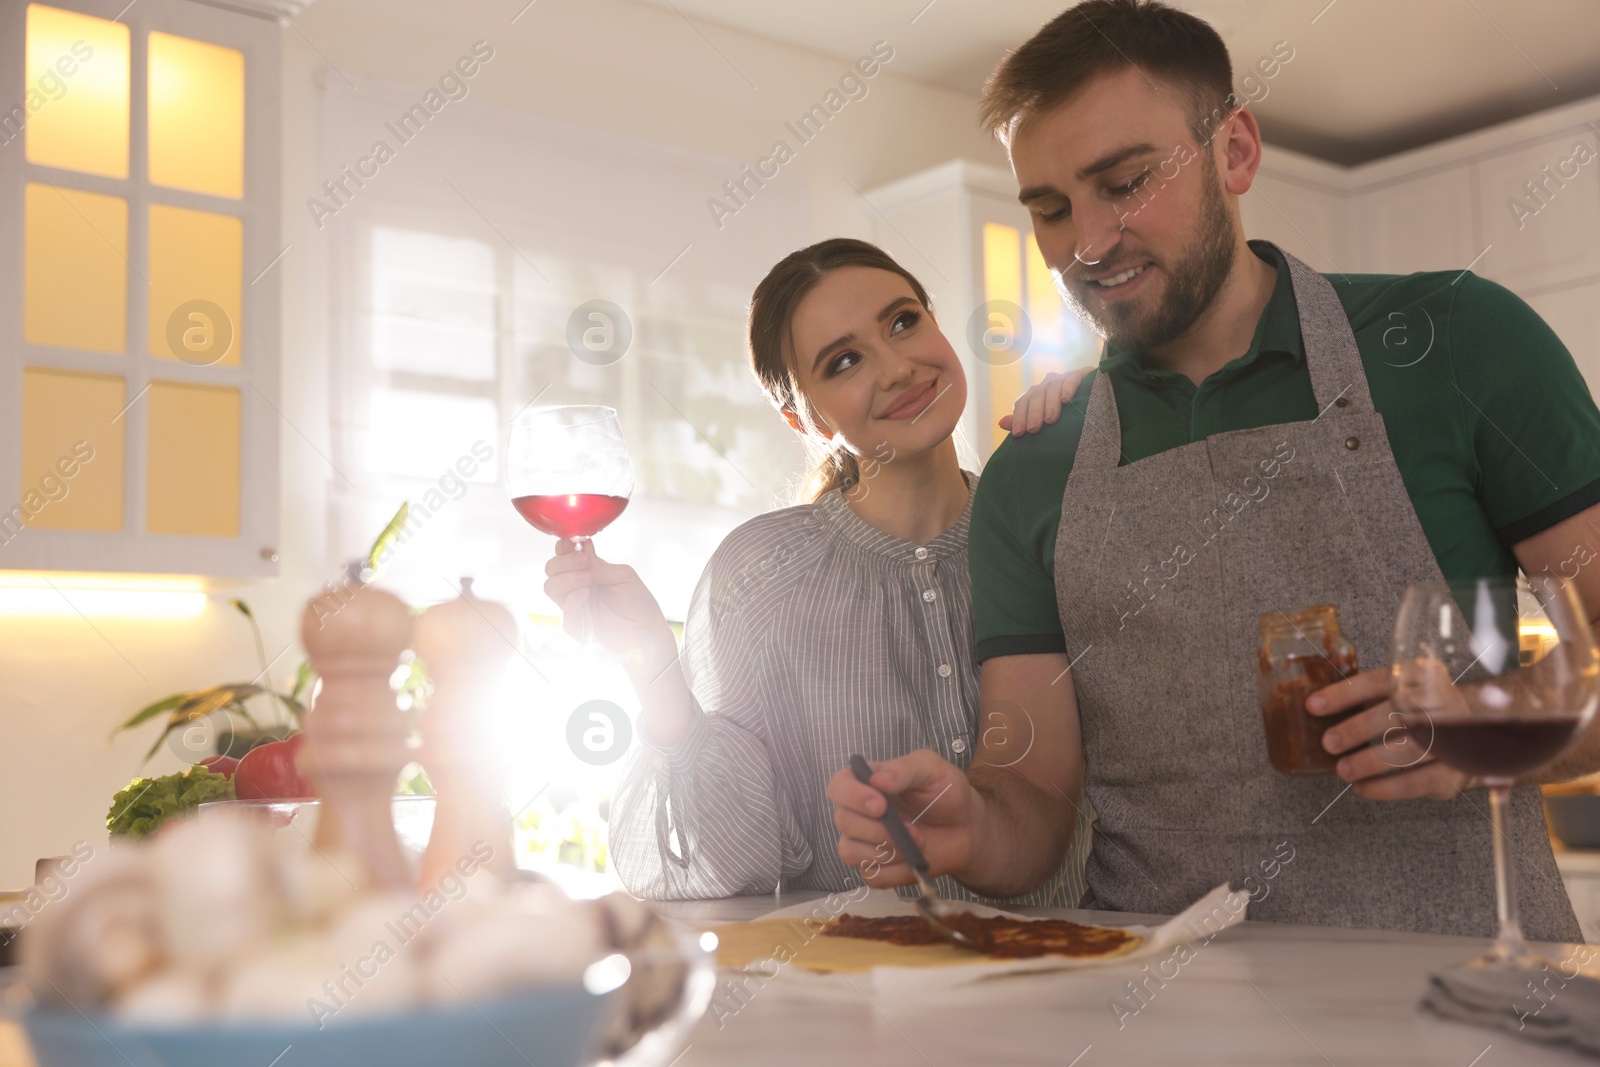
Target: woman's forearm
(666,705)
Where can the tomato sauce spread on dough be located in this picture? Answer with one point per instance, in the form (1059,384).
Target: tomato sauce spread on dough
(1008,938)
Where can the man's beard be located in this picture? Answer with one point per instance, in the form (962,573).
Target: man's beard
(1192,283)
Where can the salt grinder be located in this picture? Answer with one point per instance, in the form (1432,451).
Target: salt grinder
(465,645)
(355,744)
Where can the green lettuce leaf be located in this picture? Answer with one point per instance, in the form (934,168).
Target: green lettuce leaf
(148,802)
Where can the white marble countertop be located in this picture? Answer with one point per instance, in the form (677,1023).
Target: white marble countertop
(1260,993)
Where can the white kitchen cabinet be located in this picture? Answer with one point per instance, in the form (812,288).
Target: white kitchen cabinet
(1420,224)
(1574,314)
(139,203)
(1305,220)
(1580,871)
(1552,237)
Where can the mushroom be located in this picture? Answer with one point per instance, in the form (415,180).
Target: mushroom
(101,939)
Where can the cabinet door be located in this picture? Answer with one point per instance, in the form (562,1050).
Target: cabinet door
(1584,892)
(1021,329)
(1303,220)
(1539,210)
(138,311)
(1574,314)
(1420,224)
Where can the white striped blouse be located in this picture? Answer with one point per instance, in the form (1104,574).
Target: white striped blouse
(811,636)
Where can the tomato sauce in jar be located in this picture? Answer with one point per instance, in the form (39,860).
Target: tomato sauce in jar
(1301,652)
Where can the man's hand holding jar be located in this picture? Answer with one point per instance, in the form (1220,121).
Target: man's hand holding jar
(1361,736)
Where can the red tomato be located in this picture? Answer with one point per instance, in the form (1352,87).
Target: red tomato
(223,765)
(268,772)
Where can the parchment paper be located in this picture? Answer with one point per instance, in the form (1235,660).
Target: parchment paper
(940,965)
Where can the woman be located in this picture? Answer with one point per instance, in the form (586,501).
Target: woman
(839,626)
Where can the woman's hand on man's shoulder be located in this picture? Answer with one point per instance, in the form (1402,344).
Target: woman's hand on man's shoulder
(1041,405)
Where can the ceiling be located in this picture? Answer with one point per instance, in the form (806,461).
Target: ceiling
(1368,78)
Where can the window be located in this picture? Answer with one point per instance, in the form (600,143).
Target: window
(461,269)
(467,269)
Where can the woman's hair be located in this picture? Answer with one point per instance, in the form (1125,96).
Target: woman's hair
(772,344)
(1104,36)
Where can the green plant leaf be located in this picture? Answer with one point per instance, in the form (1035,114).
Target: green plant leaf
(297,708)
(156,747)
(304,677)
(244,713)
(144,715)
(244,609)
(203,702)
(388,536)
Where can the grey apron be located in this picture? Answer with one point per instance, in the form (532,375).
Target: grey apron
(1162,568)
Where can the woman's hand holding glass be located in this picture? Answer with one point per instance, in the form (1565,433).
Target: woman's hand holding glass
(611,603)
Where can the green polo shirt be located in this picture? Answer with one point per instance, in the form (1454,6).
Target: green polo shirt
(1492,426)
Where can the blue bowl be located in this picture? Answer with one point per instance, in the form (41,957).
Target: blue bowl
(545,1027)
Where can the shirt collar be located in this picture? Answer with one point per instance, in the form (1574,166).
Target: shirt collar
(1278,329)
(843,522)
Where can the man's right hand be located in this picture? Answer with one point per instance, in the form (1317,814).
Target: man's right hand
(940,808)
(1006,834)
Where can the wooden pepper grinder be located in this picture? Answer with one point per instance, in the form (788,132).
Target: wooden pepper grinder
(355,745)
(465,645)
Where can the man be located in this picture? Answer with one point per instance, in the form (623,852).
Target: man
(1248,445)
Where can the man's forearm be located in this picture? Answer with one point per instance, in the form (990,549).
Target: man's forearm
(1020,837)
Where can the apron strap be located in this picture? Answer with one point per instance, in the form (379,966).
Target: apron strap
(1100,444)
(1330,345)
(1331,356)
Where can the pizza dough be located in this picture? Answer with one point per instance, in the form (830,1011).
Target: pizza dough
(806,943)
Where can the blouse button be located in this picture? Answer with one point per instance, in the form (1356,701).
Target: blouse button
(944,670)
(929,595)
(921,553)
(1352,443)
(958,745)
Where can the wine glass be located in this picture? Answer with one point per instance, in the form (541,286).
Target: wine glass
(1496,692)
(568,472)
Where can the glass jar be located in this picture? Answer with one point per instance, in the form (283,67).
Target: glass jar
(1301,652)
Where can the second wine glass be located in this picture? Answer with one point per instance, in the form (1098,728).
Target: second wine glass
(1469,694)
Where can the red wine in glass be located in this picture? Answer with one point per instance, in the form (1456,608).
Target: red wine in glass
(569,474)
(1495,746)
(570,515)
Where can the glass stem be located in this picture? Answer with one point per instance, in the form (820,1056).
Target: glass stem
(584,630)
(1508,946)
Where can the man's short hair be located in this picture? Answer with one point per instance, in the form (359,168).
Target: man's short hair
(1172,48)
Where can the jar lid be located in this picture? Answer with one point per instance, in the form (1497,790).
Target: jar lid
(1283,625)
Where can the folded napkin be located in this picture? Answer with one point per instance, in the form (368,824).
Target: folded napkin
(1552,1003)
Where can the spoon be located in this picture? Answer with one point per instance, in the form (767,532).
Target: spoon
(934,908)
